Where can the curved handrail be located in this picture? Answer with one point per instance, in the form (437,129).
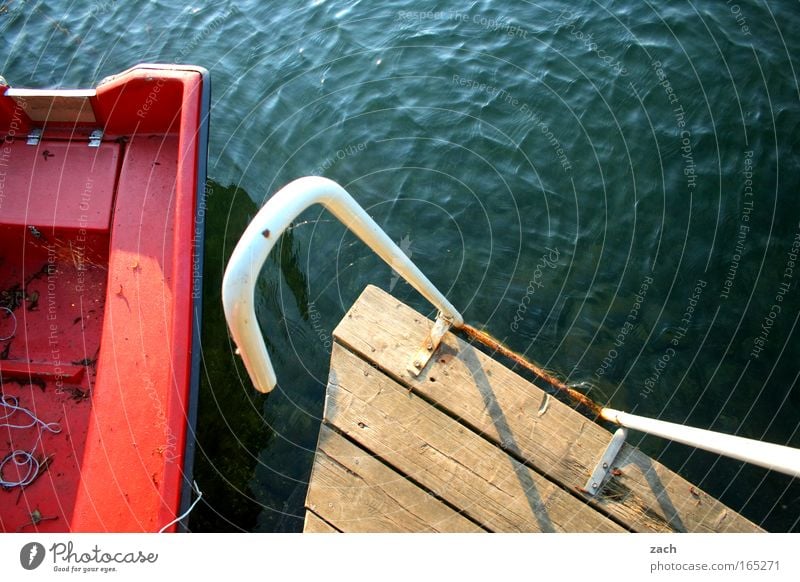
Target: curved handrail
(252,250)
(768,455)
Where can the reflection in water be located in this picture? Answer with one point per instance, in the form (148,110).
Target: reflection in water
(239,455)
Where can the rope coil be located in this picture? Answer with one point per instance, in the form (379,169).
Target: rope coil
(498,347)
(26,462)
(14,329)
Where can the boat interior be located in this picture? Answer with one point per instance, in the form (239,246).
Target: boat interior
(99,288)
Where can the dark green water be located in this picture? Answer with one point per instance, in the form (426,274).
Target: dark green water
(653,150)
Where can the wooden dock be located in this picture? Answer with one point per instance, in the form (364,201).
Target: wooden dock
(470,446)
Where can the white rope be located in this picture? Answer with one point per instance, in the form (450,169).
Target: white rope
(27,459)
(187,512)
(19,457)
(11,403)
(14,329)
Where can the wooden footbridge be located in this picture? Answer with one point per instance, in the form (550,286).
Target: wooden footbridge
(461,443)
(469,445)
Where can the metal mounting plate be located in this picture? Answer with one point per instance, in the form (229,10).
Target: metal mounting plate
(34,136)
(601,470)
(96,138)
(420,359)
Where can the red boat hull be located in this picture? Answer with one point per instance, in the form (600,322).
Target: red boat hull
(100,256)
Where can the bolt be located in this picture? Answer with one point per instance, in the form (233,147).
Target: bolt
(594,485)
(605,465)
(417,364)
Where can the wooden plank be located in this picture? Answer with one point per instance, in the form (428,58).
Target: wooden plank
(355,492)
(445,457)
(315,524)
(532,426)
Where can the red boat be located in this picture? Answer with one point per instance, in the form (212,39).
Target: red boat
(101,230)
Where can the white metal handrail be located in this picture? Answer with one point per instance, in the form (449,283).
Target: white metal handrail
(768,455)
(252,250)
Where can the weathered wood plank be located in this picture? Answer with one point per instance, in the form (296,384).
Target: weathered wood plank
(445,457)
(357,493)
(315,524)
(559,442)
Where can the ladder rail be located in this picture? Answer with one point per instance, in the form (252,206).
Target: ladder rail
(252,250)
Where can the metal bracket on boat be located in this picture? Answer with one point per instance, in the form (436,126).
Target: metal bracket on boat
(35,136)
(601,470)
(423,354)
(95,138)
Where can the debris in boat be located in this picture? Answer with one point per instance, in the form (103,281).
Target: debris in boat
(85,362)
(121,295)
(44,464)
(33,301)
(80,256)
(5,352)
(616,472)
(77,394)
(12,297)
(266,233)
(36,519)
(47,154)
(26,381)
